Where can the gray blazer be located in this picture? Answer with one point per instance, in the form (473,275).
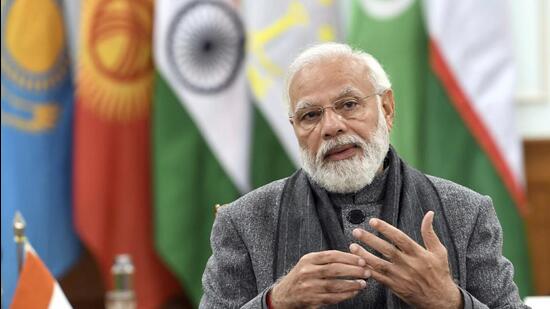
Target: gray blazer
(240,270)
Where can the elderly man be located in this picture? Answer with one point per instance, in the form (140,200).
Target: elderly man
(356,227)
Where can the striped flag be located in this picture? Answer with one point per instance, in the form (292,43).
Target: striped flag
(37,288)
(453,77)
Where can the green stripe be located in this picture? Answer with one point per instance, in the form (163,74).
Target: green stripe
(188,182)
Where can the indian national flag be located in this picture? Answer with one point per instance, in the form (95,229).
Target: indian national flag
(37,288)
(453,76)
(201,128)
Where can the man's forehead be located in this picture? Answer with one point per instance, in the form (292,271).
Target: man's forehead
(329,68)
(328,78)
(345,91)
(339,62)
(348,90)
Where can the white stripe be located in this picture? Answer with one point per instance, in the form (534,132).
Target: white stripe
(224,117)
(58,301)
(385,9)
(475,40)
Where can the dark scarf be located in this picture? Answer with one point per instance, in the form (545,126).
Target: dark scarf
(307,220)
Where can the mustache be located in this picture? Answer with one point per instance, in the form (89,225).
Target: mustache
(342,140)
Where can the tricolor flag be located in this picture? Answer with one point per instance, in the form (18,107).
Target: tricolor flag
(453,77)
(112,155)
(201,128)
(37,288)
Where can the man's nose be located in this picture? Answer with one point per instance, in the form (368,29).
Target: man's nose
(332,124)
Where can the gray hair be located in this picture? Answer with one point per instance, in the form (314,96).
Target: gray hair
(376,75)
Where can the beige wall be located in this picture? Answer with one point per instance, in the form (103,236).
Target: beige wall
(531,32)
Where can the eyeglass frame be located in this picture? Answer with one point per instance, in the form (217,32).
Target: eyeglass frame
(332,106)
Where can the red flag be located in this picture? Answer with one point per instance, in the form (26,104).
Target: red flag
(112,164)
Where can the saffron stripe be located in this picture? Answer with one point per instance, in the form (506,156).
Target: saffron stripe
(35,286)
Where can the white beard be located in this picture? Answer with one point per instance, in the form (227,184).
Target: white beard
(353,174)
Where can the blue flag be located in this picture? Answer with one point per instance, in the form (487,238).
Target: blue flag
(37,113)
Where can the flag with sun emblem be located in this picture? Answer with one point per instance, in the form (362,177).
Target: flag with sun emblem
(37,114)
(112,176)
(201,128)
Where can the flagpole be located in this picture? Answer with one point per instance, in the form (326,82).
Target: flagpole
(19,238)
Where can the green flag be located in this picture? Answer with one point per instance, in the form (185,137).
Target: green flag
(452,78)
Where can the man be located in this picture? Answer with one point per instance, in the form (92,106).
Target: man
(356,227)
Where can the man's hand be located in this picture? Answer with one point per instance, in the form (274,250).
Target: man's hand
(320,278)
(420,276)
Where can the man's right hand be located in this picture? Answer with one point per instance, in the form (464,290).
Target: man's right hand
(320,278)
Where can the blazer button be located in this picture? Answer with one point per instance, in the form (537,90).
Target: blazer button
(356,216)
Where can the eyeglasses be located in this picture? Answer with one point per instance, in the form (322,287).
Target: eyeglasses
(348,108)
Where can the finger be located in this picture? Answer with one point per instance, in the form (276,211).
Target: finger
(400,239)
(431,241)
(381,270)
(333,256)
(377,243)
(338,285)
(335,270)
(375,263)
(383,279)
(334,298)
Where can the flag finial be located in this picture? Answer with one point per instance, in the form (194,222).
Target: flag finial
(19,225)
(19,237)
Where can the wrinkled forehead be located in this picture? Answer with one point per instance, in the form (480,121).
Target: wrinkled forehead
(329,78)
(335,62)
(344,92)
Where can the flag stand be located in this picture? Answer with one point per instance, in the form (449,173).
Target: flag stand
(123,295)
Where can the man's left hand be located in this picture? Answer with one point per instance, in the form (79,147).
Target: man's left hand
(419,276)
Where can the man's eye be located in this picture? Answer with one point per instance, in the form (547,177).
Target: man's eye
(310,115)
(348,105)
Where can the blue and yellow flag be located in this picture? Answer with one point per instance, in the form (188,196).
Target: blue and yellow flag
(37,113)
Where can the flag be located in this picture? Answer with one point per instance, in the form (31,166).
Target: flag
(453,78)
(201,128)
(112,155)
(37,288)
(278,32)
(37,109)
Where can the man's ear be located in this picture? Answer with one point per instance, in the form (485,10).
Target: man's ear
(388,107)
